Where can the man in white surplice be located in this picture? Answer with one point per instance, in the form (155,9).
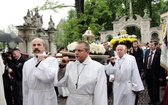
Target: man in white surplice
(85,79)
(127,78)
(39,76)
(2,96)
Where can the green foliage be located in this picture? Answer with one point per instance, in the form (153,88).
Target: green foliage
(164,6)
(133,31)
(51,5)
(68,32)
(72,14)
(101,13)
(95,16)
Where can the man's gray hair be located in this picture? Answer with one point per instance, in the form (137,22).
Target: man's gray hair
(124,46)
(87,46)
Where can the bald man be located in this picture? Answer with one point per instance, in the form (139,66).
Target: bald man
(39,75)
(127,79)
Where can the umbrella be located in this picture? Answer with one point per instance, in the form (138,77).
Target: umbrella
(6,37)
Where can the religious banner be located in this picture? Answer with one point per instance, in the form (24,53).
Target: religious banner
(164,53)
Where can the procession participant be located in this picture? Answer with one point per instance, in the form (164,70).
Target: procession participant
(85,79)
(63,91)
(39,76)
(109,52)
(7,81)
(153,71)
(15,64)
(2,97)
(127,79)
(60,90)
(137,52)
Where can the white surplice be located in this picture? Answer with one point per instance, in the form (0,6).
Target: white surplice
(2,96)
(86,84)
(127,80)
(38,82)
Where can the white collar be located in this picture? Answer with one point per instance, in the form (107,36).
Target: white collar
(122,56)
(86,61)
(153,51)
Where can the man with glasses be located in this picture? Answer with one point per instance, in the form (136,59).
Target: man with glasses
(85,79)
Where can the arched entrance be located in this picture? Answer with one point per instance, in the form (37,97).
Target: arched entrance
(133,30)
(155,36)
(109,37)
(142,23)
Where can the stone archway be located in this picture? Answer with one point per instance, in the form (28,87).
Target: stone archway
(143,23)
(108,37)
(32,28)
(155,36)
(133,30)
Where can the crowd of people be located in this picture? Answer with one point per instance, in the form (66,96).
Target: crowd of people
(39,80)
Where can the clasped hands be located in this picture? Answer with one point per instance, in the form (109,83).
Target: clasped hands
(40,57)
(64,62)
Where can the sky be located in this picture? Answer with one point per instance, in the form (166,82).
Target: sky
(13,11)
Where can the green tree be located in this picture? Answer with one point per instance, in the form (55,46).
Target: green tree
(94,17)
(101,13)
(1,44)
(164,6)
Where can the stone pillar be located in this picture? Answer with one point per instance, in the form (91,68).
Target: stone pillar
(145,30)
(51,39)
(32,28)
(26,33)
(102,36)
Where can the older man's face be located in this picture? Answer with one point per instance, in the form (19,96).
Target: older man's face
(120,50)
(16,54)
(38,46)
(81,53)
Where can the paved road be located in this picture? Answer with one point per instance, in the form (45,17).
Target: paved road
(143,100)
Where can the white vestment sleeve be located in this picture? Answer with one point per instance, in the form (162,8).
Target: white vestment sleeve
(2,66)
(47,70)
(137,84)
(64,80)
(100,91)
(110,69)
(25,86)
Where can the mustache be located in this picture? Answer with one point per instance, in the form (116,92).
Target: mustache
(36,50)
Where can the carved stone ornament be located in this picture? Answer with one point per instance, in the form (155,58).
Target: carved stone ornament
(51,24)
